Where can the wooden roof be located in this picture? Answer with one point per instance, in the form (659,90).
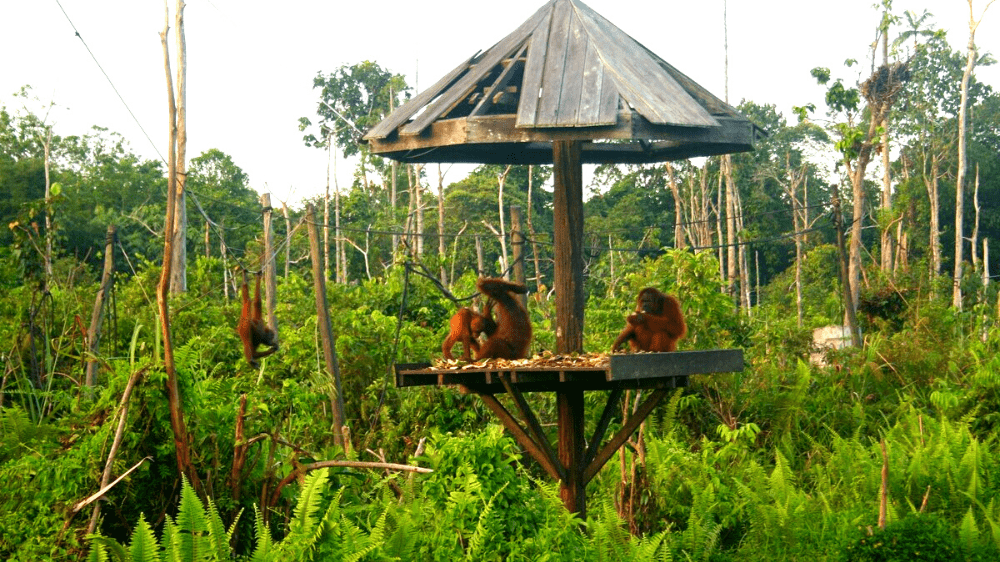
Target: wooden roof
(565,74)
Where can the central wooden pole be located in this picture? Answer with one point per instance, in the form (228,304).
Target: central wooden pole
(568,222)
(572,450)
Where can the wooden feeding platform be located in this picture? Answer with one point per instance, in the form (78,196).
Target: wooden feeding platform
(575,460)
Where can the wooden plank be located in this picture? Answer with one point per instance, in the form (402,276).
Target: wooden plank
(602,425)
(591,93)
(675,363)
(498,85)
(466,138)
(623,434)
(644,84)
(402,113)
(533,426)
(609,110)
(531,82)
(520,434)
(555,61)
(568,112)
(464,85)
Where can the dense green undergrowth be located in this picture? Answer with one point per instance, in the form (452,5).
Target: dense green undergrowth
(783,461)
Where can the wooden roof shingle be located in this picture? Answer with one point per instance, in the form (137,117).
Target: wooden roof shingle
(565,73)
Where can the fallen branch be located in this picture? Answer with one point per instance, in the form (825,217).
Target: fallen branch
(300,470)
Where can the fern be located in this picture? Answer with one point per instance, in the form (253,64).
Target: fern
(263,549)
(968,531)
(143,547)
(102,546)
(484,528)
(191,526)
(304,521)
(375,540)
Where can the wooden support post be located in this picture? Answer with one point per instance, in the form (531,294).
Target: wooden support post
(517,242)
(323,323)
(97,316)
(567,207)
(571,444)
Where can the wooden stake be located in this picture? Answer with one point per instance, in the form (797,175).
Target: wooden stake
(97,317)
(323,324)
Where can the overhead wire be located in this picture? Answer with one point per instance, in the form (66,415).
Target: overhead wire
(111,82)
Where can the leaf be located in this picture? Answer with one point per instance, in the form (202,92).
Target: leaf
(143,547)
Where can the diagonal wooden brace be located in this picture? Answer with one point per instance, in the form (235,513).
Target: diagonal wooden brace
(602,425)
(534,449)
(623,434)
(534,428)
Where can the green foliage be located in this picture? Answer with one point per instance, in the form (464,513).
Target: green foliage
(912,538)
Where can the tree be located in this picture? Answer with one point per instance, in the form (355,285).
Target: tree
(221,190)
(353,99)
(970,64)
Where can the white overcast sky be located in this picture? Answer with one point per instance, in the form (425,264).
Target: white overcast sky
(251,63)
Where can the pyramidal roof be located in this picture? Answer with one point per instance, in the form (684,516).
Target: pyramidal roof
(565,74)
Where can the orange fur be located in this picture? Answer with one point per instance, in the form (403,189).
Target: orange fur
(466,325)
(656,325)
(252,329)
(513,335)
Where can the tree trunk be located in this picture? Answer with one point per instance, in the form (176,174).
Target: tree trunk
(970,63)
(288,238)
(539,284)
(931,182)
(442,249)
(678,206)
(326,220)
(732,269)
(418,193)
(849,306)
(268,265)
(338,234)
(48,209)
(886,242)
(178,280)
(174,189)
(517,244)
(504,257)
(392,205)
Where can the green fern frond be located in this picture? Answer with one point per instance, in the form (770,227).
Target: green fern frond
(304,519)
(652,548)
(262,551)
(483,528)
(143,547)
(170,540)
(192,525)
(217,535)
(374,540)
(101,547)
(971,465)
(968,531)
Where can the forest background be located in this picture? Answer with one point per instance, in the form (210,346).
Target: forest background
(884,448)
